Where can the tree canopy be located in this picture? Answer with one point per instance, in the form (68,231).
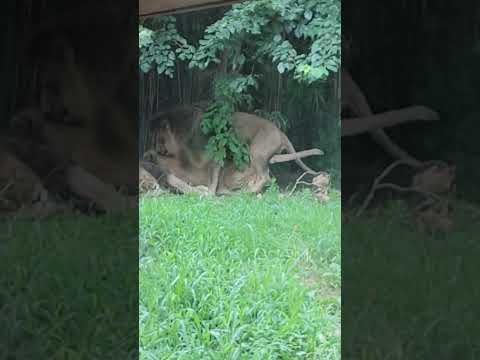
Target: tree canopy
(298,36)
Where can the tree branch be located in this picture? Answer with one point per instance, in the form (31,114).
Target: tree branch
(298,155)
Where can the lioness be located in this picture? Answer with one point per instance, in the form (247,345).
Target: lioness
(185,146)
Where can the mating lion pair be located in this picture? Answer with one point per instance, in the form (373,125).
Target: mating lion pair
(180,150)
(180,144)
(74,132)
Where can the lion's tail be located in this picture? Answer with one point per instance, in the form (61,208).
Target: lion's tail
(288,146)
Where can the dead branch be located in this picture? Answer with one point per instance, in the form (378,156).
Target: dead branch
(354,99)
(359,125)
(298,155)
(377,181)
(6,188)
(320,185)
(431,196)
(299,180)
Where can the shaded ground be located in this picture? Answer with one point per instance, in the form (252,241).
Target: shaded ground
(409,295)
(68,288)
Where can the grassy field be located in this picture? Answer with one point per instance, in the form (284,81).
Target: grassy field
(239,278)
(409,295)
(68,288)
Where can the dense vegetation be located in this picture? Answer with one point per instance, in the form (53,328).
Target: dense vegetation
(240,277)
(277,58)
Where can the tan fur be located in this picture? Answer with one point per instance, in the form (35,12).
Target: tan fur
(80,146)
(185,145)
(73,96)
(95,153)
(146,182)
(18,182)
(436,179)
(104,138)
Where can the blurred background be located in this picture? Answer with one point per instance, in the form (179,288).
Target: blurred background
(417,53)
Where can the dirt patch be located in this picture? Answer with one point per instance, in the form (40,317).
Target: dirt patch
(311,279)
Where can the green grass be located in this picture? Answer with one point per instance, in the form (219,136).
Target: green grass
(409,295)
(68,288)
(239,278)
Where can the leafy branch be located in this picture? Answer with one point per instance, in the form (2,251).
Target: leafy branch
(230,93)
(160,46)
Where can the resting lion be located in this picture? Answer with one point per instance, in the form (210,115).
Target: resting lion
(181,145)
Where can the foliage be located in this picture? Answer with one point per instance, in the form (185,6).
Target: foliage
(298,36)
(301,36)
(159,43)
(230,93)
(300,39)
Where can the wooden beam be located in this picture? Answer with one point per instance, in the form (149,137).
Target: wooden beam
(168,7)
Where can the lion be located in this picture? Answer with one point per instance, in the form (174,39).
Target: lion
(181,147)
(75,127)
